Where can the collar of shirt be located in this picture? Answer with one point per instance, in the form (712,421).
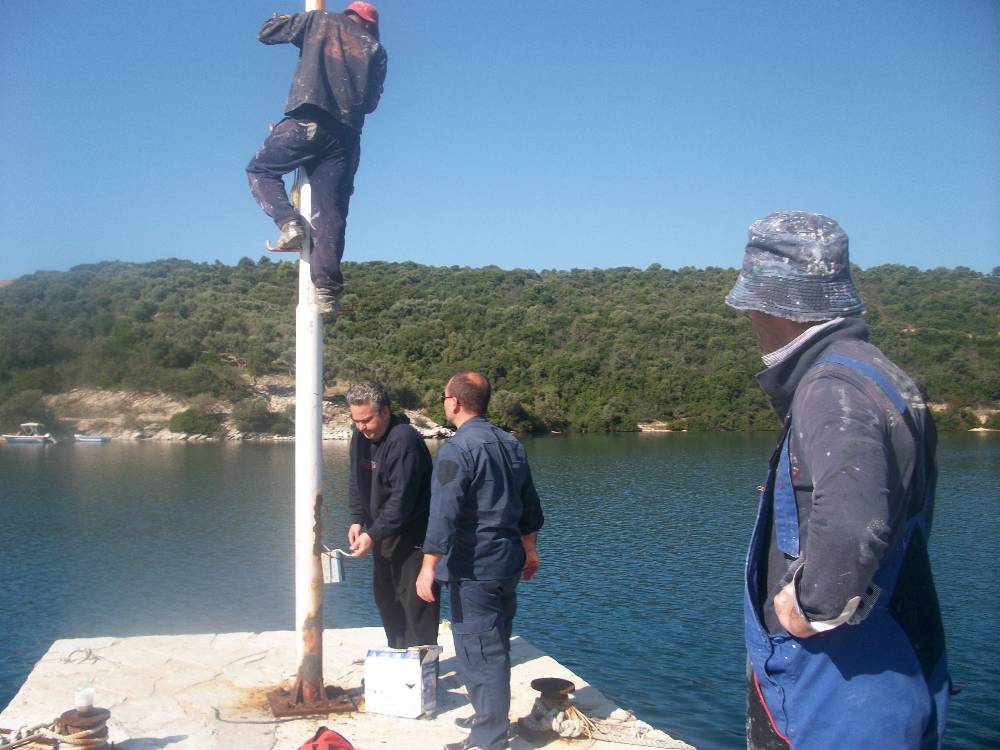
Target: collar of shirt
(473,421)
(780,355)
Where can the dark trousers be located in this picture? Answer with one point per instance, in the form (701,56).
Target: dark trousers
(408,620)
(482,615)
(329,153)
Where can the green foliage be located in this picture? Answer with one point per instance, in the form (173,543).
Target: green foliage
(993,421)
(956,419)
(284,422)
(194,422)
(565,350)
(24,406)
(253,415)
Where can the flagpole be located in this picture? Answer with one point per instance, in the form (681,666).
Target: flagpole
(308,463)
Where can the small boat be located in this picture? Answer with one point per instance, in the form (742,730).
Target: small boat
(30,434)
(82,437)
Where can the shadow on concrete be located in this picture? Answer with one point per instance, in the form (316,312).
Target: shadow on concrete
(149,743)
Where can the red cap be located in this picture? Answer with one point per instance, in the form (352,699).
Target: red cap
(366,11)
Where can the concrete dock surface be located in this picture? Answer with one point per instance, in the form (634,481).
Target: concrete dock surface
(207,692)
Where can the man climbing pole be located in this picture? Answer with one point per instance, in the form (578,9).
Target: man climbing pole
(338,80)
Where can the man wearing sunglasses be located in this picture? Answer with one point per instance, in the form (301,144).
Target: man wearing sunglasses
(481,539)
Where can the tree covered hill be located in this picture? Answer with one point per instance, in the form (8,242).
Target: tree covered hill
(587,350)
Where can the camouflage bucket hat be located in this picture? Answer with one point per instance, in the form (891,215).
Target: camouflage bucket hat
(796,267)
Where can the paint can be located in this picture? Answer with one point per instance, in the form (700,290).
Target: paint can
(333,565)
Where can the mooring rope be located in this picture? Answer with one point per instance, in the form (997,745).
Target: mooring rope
(569,722)
(95,737)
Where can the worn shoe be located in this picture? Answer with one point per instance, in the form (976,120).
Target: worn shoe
(327,302)
(464,745)
(465,722)
(292,235)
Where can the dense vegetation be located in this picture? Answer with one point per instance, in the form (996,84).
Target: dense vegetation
(585,350)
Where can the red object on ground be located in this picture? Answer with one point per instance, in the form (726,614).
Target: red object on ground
(326,739)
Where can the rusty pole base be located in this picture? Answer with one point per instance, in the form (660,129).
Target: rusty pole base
(337,701)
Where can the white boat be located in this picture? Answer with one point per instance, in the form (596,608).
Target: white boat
(30,434)
(82,437)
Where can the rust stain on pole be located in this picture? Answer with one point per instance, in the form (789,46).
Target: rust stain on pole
(309,681)
(318,527)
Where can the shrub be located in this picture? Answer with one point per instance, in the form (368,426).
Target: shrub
(24,406)
(284,423)
(956,420)
(194,422)
(252,415)
(508,411)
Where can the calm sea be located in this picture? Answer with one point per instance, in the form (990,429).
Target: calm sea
(639,590)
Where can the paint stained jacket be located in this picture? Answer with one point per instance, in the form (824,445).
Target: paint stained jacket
(341,67)
(847,509)
(852,460)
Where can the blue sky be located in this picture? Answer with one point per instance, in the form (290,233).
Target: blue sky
(563,134)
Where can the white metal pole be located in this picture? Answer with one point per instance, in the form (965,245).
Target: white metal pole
(308,464)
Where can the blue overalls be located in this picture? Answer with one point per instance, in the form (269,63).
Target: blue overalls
(862,685)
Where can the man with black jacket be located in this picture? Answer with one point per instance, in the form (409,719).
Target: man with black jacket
(338,80)
(389,497)
(842,625)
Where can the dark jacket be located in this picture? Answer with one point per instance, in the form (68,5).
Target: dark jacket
(853,461)
(390,486)
(483,501)
(341,67)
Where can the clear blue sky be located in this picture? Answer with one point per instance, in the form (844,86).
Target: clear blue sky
(558,134)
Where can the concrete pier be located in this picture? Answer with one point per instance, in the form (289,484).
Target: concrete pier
(207,692)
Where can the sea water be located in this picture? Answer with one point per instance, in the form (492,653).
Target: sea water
(639,590)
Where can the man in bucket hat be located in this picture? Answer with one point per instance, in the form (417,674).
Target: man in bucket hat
(338,80)
(843,631)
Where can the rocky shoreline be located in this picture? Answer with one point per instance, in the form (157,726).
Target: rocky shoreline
(145,416)
(141,416)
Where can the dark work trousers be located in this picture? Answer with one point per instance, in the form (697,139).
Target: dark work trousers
(408,620)
(329,153)
(482,615)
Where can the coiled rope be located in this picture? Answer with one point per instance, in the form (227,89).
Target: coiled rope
(41,736)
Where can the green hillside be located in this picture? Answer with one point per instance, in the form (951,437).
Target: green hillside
(586,350)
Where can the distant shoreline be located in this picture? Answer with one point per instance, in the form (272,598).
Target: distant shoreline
(146,416)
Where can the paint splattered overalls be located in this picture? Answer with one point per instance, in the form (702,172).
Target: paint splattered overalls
(878,683)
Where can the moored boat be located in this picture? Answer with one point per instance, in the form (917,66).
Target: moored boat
(30,434)
(82,437)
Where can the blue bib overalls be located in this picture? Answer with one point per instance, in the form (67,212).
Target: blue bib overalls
(863,684)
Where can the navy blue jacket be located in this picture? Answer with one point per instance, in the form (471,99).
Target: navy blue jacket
(341,66)
(483,501)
